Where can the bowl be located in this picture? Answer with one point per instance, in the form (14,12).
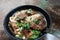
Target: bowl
(6,20)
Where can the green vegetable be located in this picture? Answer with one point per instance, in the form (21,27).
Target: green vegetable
(36,32)
(36,21)
(29,10)
(24,25)
(28,25)
(19,24)
(20,35)
(19,17)
(34,36)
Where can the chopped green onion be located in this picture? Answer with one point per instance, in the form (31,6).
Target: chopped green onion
(19,17)
(20,35)
(29,10)
(36,21)
(36,32)
(24,25)
(34,36)
(28,24)
(18,23)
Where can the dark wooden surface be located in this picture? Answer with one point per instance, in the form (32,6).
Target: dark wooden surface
(53,9)
(54,27)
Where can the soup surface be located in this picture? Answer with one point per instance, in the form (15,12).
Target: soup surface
(27,24)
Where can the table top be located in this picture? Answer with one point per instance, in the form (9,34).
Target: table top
(47,36)
(53,9)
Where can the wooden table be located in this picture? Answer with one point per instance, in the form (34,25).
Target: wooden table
(53,9)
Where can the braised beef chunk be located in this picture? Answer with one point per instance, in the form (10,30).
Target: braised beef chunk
(21,16)
(42,23)
(27,33)
(37,27)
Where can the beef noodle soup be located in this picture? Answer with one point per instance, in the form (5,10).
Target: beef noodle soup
(27,24)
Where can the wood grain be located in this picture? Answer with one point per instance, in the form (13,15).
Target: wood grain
(7,5)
